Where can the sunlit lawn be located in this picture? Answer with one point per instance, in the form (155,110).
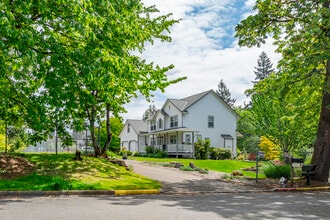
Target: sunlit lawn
(226,166)
(62,172)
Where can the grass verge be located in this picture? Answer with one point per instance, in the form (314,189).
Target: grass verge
(62,172)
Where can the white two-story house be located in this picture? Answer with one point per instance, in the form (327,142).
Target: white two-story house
(180,123)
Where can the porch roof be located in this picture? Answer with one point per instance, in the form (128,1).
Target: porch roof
(182,129)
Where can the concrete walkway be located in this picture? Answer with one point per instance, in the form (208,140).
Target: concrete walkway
(176,181)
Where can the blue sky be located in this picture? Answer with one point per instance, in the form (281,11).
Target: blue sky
(203,49)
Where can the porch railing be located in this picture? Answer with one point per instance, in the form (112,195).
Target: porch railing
(172,148)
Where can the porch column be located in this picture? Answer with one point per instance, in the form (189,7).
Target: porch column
(193,145)
(153,141)
(177,144)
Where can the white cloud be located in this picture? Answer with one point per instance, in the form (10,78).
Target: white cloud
(204,50)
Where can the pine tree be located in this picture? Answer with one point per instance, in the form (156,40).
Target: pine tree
(262,71)
(264,68)
(224,93)
(149,112)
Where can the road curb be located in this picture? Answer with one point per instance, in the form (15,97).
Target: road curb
(136,192)
(143,192)
(76,192)
(319,188)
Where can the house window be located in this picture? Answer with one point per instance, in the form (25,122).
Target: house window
(160,140)
(128,128)
(152,141)
(160,123)
(187,139)
(210,121)
(173,139)
(152,125)
(174,121)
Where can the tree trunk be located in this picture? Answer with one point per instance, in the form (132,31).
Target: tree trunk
(91,114)
(109,134)
(321,155)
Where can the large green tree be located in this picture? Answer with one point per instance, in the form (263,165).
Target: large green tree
(63,62)
(285,114)
(116,125)
(250,139)
(301,31)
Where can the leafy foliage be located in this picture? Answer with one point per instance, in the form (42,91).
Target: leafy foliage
(220,153)
(202,149)
(277,171)
(300,30)
(271,150)
(65,62)
(155,152)
(246,126)
(116,126)
(286,116)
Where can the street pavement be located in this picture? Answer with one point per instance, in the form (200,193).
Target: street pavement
(254,206)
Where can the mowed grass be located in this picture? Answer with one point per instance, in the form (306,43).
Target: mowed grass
(226,166)
(62,172)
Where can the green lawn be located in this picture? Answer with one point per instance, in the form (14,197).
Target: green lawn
(226,166)
(61,172)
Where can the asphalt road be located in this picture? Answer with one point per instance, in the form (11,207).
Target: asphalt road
(275,205)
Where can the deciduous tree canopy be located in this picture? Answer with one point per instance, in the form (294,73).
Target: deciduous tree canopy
(301,31)
(63,62)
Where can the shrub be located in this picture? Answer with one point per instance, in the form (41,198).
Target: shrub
(153,152)
(220,153)
(137,154)
(161,154)
(187,168)
(272,150)
(202,149)
(276,171)
(200,170)
(128,153)
(150,149)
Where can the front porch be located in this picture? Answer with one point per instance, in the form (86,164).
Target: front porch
(178,142)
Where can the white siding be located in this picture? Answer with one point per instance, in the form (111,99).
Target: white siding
(224,121)
(171,110)
(128,139)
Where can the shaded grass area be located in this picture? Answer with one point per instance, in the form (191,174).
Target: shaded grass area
(226,166)
(62,172)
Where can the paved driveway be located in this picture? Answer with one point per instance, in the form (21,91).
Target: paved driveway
(176,181)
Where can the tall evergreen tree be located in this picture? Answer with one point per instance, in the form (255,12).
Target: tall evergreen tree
(264,68)
(224,93)
(149,112)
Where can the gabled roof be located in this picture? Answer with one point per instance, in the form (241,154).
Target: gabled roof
(184,103)
(139,126)
(159,111)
